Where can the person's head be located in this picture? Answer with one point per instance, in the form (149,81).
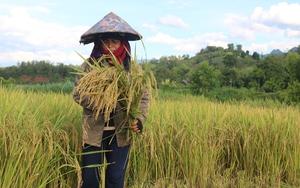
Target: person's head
(111,44)
(119,47)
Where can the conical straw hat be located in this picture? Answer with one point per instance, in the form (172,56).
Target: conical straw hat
(110,26)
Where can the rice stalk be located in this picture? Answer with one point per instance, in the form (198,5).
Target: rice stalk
(107,83)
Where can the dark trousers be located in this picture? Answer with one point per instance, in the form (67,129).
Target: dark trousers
(115,172)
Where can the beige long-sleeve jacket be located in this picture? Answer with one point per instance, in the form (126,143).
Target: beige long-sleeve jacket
(93,128)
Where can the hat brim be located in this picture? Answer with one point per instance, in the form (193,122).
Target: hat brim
(86,39)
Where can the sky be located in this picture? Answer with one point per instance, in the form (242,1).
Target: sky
(50,30)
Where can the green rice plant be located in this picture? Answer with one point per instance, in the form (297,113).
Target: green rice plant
(188,141)
(65,87)
(38,139)
(193,142)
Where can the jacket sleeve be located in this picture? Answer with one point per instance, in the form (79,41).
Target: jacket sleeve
(144,107)
(85,100)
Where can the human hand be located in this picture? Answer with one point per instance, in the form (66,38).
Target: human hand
(134,126)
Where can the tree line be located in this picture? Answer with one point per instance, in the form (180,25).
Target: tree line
(31,72)
(232,69)
(214,71)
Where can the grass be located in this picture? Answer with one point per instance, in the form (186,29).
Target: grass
(65,87)
(38,139)
(188,141)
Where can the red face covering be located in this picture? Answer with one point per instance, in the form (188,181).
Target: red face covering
(119,53)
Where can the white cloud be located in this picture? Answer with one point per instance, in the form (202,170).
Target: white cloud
(53,55)
(243,27)
(150,27)
(195,43)
(238,26)
(280,19)
(292,33)
(19,23)
(192,44)
(174,21)
(34,38)
(162,38)
(267,47)
(281,15)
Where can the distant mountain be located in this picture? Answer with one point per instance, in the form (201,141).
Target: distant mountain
(295,49)
(276,52)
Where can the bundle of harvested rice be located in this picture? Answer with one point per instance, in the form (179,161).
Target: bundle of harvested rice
(106,85)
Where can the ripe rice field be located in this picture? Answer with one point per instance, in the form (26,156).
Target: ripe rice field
(188,141)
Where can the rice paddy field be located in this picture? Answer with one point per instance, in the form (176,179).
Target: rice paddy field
(188,141)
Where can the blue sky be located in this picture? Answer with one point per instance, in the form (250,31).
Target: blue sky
(50,30)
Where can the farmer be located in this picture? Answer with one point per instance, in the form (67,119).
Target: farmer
(110,35)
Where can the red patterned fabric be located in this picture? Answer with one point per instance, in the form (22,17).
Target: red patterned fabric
(119,53)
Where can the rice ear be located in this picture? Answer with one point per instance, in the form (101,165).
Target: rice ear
(106,86)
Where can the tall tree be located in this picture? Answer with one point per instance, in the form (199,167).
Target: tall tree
(205,78)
